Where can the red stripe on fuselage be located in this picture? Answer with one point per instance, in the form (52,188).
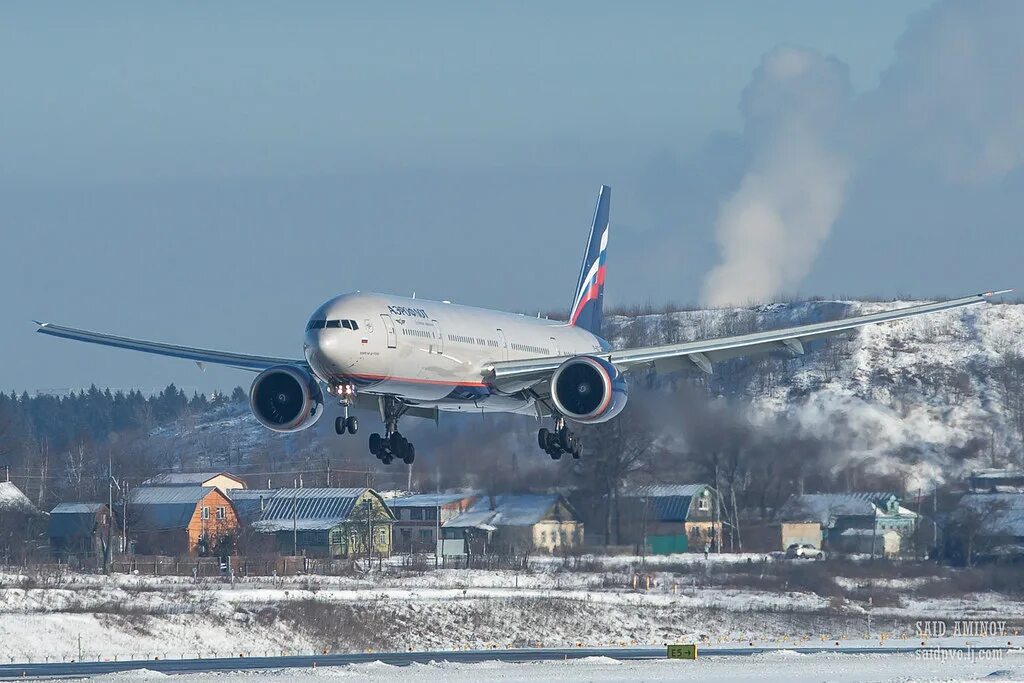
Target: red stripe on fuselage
(414,380)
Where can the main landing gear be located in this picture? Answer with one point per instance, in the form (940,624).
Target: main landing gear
(559,441)
(392,445)
(346,394)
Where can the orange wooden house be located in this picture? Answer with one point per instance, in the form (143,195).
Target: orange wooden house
(178,520)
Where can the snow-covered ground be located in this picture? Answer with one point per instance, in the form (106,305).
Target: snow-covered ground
(69,616)
(767,667)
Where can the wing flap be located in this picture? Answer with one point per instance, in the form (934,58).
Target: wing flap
(198,355)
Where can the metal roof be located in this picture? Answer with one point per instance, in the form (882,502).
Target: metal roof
(155,495)
(826,507)
(510,510)
(164,508)
(667,502)
(429,499)
(73,519)
(186,478)
(311,503)
(77,508)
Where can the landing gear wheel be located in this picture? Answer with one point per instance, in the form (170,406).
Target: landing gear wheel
(351,424)
(339,425)
(410,454)
(566,439)
(397,443)
(542,438)
(375,444)
(577,450)
(555,453)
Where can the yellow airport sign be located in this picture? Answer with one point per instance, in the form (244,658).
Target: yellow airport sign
(682,652)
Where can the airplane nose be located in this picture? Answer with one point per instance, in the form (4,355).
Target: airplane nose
(326,353)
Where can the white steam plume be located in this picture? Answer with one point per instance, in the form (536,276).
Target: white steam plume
(771,229)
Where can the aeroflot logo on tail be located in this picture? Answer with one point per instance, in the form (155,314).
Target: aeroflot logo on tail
(408,312)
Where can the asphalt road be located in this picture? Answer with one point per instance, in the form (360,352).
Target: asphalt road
(179,666)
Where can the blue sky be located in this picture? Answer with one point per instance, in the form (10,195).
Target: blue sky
(209,174)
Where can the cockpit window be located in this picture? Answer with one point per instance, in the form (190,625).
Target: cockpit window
(333,324)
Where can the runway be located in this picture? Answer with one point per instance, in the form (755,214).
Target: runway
(183,666)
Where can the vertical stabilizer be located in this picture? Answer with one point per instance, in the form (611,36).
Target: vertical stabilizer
(589,298)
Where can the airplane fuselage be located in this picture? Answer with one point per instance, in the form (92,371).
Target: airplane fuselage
(431,353)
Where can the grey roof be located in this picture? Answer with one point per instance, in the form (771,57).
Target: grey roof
(999,514)
(73,519)
(159,495)
(312,503)
(13,500)
(185,478)
(509,510)
(429,499)
(77,508)
(666,502)
(827,507)
(164,508)
(247,502)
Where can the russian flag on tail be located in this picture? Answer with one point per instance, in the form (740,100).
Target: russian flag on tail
(587,304)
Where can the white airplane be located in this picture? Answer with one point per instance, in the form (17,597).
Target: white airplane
(415,357)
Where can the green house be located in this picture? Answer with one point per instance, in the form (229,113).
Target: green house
(321,522)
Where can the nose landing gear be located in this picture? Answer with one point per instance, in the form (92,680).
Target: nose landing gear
(346,394)
(392,445)
(559,441)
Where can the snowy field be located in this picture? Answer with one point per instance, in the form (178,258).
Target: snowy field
(794,667)
(69,616)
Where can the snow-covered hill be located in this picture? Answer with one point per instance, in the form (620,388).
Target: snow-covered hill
(928,397)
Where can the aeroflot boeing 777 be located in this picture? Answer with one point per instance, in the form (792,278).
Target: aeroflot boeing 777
(415,357)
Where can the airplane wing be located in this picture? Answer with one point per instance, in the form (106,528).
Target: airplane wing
(200,356)
(521,374)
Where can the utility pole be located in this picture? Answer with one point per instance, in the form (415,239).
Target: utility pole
(110,513)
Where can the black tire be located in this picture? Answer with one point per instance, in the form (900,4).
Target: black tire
(387,458)
(339,426)
(542,438)
(397,443)
(552,443)
(565,439)
(577,450)
(352,424)
(375,443)
(410,454)
(555,453)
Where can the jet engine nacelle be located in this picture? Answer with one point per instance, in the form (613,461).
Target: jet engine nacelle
(588,389)
(286,398)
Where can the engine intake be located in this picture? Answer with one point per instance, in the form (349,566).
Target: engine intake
(286,398)
(588,389)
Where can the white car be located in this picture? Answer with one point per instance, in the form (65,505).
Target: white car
(804,551)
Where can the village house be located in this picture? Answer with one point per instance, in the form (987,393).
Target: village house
(321,522)
(419,516)
(858,523)
(175,520)
(221,480)
(670,518)
(512,524)
(996,481)
(80,532)
(988,526)
(20,523)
